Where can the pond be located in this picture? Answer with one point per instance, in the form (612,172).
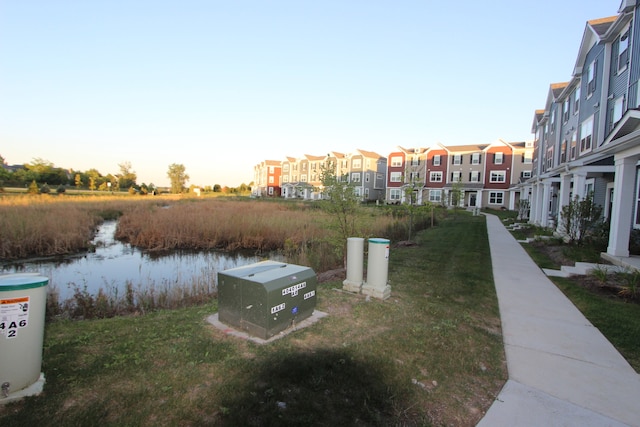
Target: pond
(114,264)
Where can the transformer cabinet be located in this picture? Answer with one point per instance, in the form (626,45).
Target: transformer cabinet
(267,297)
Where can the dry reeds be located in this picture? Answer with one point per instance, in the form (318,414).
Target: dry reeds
(52,225)
(223,225)
(40,229)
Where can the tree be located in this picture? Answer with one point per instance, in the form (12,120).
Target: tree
(126,177)
(33,188)
(341,203)
(580,217)
(178,177)
(78,180)
(4,174)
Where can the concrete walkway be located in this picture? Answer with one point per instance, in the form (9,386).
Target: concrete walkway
(562,370)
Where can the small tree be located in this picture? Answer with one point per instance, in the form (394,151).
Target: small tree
(341,203)
(33,188)
(580,217)
(456,196)
(178,177)
(523,209)
(78,180)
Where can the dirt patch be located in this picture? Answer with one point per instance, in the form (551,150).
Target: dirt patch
(332,275)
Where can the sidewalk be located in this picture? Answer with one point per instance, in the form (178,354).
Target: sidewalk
(562,370)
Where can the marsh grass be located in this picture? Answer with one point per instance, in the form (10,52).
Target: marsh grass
(431,354)
(44,225)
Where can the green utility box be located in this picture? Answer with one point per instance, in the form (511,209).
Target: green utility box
(267,297)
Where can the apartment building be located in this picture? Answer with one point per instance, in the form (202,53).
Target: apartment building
(587,138)
(484,175)
(266,179)
(301,178)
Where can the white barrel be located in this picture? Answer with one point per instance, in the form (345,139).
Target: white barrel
(355,259)
(378,263)
(355,263)
(23,299)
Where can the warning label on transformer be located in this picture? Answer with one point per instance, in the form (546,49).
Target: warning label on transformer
(14,315)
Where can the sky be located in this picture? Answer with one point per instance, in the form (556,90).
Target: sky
(220,86)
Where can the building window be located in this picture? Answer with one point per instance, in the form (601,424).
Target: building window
(435,177)
(436,160)
(457,159)
(526,174)
(576,100)
(527,158)
(414,176)
(396,177)
(574,145)
(623,50)
(474,176)
(498,158)
(356,163)
(285,178)
(549,159)
(496,197)
(498,176)
(586,131)
(563,152)
(271,179)
(435,196)
(591,78)
(415,161)
(475,158)
(358,191)
(303,177)
(367,177)
(396,162)
(355,177)
(565,110)
(366,193)
(395,194)
(285,167)
(270,191)
(618,108)
(456,176)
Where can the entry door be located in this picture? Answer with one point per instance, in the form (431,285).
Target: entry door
(472,200)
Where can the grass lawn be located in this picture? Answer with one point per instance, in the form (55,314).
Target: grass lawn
(432,354)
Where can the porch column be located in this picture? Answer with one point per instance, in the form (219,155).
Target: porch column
(479,199)
(579,180)
(533,207)
(623,201)
(546,199)
(512,200)
(563,198)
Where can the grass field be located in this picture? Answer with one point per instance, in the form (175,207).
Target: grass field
(432,354)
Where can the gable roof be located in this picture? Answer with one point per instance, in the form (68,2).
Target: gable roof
(593,32)
(369,154)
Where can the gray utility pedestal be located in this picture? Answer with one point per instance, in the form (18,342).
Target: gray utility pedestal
(266,298)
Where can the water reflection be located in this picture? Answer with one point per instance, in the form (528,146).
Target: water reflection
(114,264)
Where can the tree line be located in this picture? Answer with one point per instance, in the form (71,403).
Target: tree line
(43,176)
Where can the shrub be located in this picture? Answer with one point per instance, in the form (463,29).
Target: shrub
(581,218)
